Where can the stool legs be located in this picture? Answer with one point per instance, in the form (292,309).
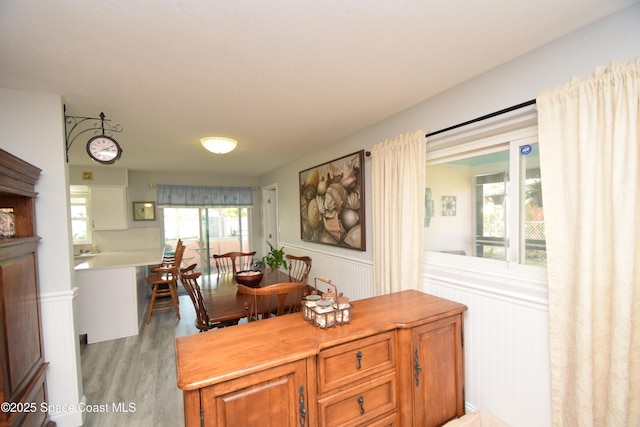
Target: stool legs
(163,290)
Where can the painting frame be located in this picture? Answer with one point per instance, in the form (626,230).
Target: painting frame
(144,211)
(332,203)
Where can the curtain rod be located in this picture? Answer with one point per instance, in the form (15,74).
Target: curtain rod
(479,119)
(488,116)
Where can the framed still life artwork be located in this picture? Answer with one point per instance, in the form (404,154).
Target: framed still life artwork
(332,203)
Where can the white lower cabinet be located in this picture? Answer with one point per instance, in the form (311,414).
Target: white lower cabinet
(109,303)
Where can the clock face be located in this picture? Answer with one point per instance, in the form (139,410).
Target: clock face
(104,149)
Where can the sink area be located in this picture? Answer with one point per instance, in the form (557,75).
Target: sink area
(82,257)
(85,255)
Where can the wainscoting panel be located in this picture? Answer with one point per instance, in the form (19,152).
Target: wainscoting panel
(62,351)
(354,278)
(506,350)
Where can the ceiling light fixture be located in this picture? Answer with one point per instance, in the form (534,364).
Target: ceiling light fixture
(219,145)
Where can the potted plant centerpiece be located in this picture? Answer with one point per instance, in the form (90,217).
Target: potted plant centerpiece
(275,258)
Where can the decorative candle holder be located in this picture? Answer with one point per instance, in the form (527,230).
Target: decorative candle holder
(330,310)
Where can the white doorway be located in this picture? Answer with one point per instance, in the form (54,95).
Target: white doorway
(270,217)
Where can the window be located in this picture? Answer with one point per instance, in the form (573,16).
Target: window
(484,200)
(80,218)
(207,231)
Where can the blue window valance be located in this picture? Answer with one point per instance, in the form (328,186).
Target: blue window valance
(186,195)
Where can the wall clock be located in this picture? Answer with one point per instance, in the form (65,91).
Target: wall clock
(104,149)
(101,148)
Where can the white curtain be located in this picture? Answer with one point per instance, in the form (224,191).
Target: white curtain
(590,159)
(398,186)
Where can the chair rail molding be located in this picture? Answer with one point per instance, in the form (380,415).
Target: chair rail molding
(354,277)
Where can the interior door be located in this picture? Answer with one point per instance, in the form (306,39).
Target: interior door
(270,211)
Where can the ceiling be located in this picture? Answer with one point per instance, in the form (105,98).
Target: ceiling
(282,77)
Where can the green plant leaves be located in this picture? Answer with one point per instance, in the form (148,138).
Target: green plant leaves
(275,258)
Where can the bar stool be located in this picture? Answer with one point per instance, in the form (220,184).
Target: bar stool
(163,285)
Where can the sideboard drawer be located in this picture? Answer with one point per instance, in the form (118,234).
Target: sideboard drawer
(359,405)
(344,364)
(389,420)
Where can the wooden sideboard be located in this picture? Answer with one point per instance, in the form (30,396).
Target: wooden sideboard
(22,365)
(399,363)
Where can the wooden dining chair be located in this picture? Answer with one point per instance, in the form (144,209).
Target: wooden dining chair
(189,280)
(190,269)
(299,268)
(278,299)
(234,261)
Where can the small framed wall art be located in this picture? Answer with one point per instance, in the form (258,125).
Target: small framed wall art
(144,211)
(448,205)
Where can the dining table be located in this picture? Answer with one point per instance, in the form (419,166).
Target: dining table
(221,297)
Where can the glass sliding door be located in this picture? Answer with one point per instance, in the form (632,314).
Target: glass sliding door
(207,231)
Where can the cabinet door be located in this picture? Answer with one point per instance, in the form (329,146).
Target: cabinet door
(109,208)
(20,343)
(274,397)
(438,372)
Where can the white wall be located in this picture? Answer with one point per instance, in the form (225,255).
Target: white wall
(450,233)
(32,128)
(506,351)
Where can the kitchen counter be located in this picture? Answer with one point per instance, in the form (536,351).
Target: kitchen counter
(112,292)
(141,257)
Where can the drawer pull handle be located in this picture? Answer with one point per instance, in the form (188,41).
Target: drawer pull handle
(359,358)
(361,403)
(418,368)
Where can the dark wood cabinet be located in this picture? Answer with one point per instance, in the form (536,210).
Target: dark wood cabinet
(398,363)
(22,365)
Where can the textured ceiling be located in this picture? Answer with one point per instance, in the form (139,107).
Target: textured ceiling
(282,77)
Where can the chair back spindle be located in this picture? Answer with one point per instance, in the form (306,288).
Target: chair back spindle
(299,268)
(231,262)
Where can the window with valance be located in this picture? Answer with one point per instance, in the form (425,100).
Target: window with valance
(185,195)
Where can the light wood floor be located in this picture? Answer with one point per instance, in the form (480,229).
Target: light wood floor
(139,371)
